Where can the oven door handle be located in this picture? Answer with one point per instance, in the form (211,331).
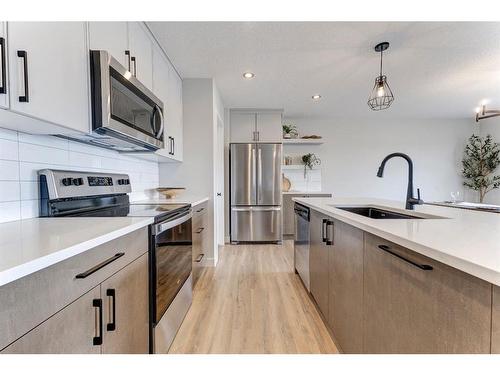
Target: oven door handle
(162,227)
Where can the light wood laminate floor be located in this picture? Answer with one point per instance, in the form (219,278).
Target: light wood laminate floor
(252,302)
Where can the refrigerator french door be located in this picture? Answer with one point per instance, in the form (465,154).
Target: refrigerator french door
(256,192)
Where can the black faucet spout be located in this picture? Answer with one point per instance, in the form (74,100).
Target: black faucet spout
(410,200)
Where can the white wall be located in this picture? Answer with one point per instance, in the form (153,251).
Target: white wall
(491,126)
(354,148)
(22,155)
(201,106)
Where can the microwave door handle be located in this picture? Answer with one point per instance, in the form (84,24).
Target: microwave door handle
(157,110)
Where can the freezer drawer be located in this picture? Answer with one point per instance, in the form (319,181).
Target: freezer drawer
(256,224)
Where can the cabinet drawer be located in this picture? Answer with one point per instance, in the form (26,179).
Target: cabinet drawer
(413,304)
(27,302)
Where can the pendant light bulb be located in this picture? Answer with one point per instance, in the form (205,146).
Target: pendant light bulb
(380,91)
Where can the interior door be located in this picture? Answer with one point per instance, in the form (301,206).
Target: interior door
(126,310)
(243,174)
(269,174)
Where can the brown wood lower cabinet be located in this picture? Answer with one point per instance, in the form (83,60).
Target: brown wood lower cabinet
(200,243)
(411,308)
(346,287)
(125,307)
(71,330)
(495,324)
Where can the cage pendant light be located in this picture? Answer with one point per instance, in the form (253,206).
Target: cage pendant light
(381,96)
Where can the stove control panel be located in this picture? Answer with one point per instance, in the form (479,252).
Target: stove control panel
(71,184)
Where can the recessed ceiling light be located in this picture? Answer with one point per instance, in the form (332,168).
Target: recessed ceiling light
(316,97)
(248,75)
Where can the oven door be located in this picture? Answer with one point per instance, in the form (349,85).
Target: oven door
(122,105)
(171,264)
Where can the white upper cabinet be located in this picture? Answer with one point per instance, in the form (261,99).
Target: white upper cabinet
(111,37)
(174,114)
(269,126)
(141,51)
(255,126)
(4,96)
(48,70)
(243,127)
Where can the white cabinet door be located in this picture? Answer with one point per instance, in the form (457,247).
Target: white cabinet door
(53,58)
(242,127)
(4,96)
(174,114)
(141,49)
(111,37)
(269,126)
(161,69)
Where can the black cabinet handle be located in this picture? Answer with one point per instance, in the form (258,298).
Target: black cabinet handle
(3,87)
(199,258)
(201,209)
(387,249)
(170,146)
(134,61)
(199,230)
(24,55)
(329,241)
(96,268)
(323,229)
(173,145)
(112,325)
(97,340)
(127,53)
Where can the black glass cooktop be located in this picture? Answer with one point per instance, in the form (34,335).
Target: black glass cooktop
(158,211)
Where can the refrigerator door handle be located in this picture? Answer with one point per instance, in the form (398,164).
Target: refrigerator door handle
(256,209)
(259,175)
(254,173)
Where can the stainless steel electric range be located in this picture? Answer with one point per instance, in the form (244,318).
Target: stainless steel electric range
(78,194)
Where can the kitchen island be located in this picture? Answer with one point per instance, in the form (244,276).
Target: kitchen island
(419,285)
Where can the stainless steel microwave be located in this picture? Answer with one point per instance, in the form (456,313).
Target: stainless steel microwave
(126,115)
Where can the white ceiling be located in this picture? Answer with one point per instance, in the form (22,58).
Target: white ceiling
(435,70)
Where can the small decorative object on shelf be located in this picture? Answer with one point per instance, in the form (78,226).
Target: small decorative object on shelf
(309,161)
(286,185)
(288,160)
(290,131)
(313,136)
(481,158)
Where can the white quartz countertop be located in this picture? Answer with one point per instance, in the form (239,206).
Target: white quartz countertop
(27,246)
(181,199)
(463,239)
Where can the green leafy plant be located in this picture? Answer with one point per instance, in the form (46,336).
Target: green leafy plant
(309,161)
(290,129)
(481,158)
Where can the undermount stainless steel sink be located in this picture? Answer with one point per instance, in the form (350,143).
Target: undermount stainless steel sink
(377,213)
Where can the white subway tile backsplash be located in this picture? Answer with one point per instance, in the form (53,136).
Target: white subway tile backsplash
(9,191)
(23,155)
(10,211)
(8,149)
(29,209)
(8,134)
(9,170)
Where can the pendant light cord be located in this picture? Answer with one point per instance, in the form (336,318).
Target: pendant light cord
(381,52)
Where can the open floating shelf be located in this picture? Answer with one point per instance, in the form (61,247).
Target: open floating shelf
(302,141)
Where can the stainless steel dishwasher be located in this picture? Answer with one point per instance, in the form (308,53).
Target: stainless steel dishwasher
(301,243)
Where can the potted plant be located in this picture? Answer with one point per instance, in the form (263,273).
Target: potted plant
(309,161)
(481,158)
(290,131)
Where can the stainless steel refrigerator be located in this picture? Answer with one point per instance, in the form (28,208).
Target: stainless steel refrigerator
(255,192)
